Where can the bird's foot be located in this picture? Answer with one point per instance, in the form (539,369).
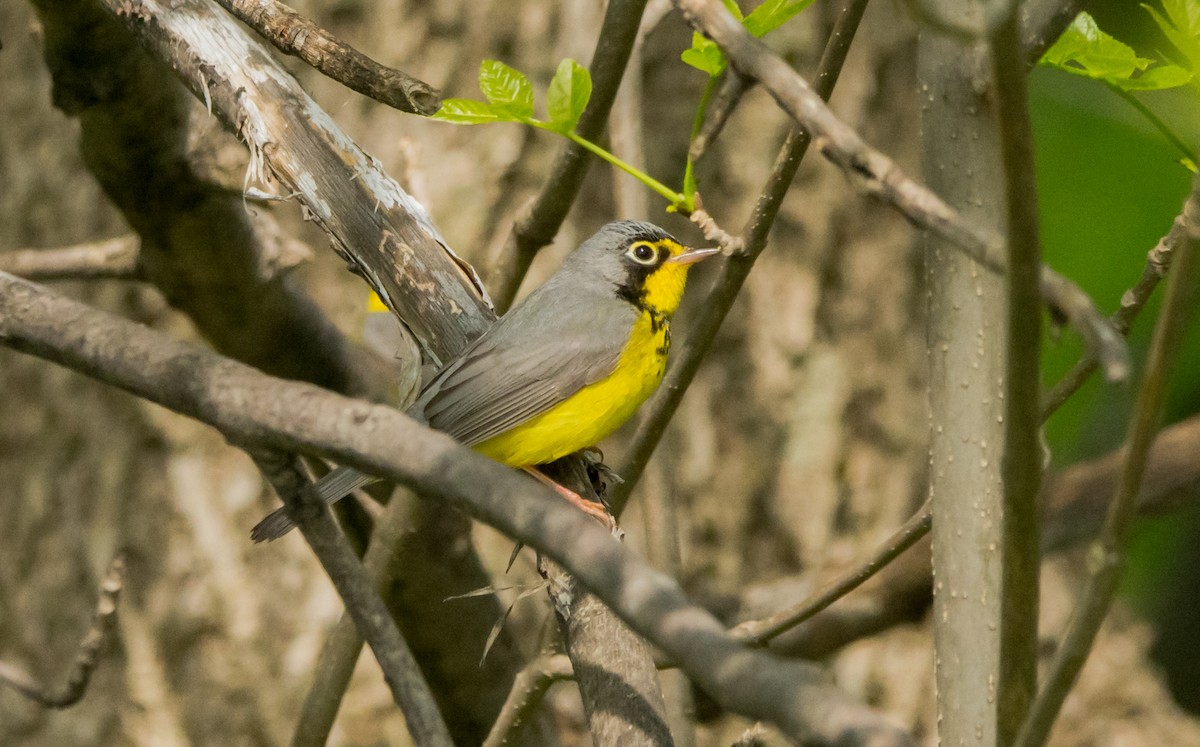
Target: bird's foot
(595,509)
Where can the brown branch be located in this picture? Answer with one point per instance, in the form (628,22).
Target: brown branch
(657,413)
(199,246)
(1158,261)
(292,33)
(363,603)
(878,176)
(1107,553)
(1021,464)
(87,658)
(540,222)
(112,258)
(762,630)
(379,230)
(725,101)
(254,409)
(528,690)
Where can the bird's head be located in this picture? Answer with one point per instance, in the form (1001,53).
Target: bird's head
(644,264)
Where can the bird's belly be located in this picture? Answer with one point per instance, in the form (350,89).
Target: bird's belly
(594,411)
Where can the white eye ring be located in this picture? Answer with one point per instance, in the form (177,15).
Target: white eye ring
(643,253)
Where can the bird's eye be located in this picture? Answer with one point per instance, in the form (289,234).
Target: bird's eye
(643,253)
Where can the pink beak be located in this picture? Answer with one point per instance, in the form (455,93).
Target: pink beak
(692,256)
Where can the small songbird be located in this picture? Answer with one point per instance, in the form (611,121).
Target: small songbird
(563,369)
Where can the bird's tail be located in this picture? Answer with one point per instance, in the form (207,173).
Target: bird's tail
(332,488)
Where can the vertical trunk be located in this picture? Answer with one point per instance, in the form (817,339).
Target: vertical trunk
(966,334)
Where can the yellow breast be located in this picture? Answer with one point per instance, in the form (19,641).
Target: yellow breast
(594,411)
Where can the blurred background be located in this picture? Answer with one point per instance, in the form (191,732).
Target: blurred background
(800,446)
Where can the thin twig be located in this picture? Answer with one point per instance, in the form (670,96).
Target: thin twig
(762,630)
(400,670)
(528,691)
(658,411)
(1107,554)
(879,176)
(1158,261)
(292,33)
(88,656)
(540,222)
(112,258)
(251,408)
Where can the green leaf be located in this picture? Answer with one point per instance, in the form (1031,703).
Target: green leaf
(1181,26)
(732,7)
(1157,78)
(468,111)
(508,89)
(772,14)
(705,56)
(568,95)
(1085,50)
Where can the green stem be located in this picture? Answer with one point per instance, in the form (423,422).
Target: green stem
(674,197)
(689,176)
(1153,118)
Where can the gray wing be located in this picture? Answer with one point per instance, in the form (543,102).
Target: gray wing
(543,351)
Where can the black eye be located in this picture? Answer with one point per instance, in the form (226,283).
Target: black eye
(643,253)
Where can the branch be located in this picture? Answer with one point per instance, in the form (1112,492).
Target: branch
(1107,553)
(528,690)
(879,176)
(1021,468)
(763,630)
(112,258)
(87,658)
(657,413)
(381,232)
(1158,261)
(539,224)
(292,33)
(254,409)
(358,593)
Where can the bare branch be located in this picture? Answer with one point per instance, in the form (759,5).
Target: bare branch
(254,409)
(1158,261)
(379,230)
(88,656)
(879,176)
(1107,553)
(528,690)
(657,413)
(540,222)
(1021,468)
(358,593)
(761,631)
(112,258)
(292,33)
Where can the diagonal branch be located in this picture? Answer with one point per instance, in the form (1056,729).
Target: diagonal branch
(292,33)
(358,593)
(381,231)
(879,176)
(254,409)
(538,225)
(657,413)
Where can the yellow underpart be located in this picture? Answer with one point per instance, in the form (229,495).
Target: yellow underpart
(596,410)
(664,286)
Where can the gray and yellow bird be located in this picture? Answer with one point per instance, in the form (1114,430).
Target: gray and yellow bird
(562,370)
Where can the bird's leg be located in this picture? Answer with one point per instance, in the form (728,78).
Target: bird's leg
(593,508)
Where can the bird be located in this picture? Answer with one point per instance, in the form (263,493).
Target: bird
(563,369)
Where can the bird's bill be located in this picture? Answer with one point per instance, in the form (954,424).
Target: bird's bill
(692,256)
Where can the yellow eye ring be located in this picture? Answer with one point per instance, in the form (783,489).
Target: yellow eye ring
(643,252)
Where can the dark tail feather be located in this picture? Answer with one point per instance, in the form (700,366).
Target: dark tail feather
(332,488)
